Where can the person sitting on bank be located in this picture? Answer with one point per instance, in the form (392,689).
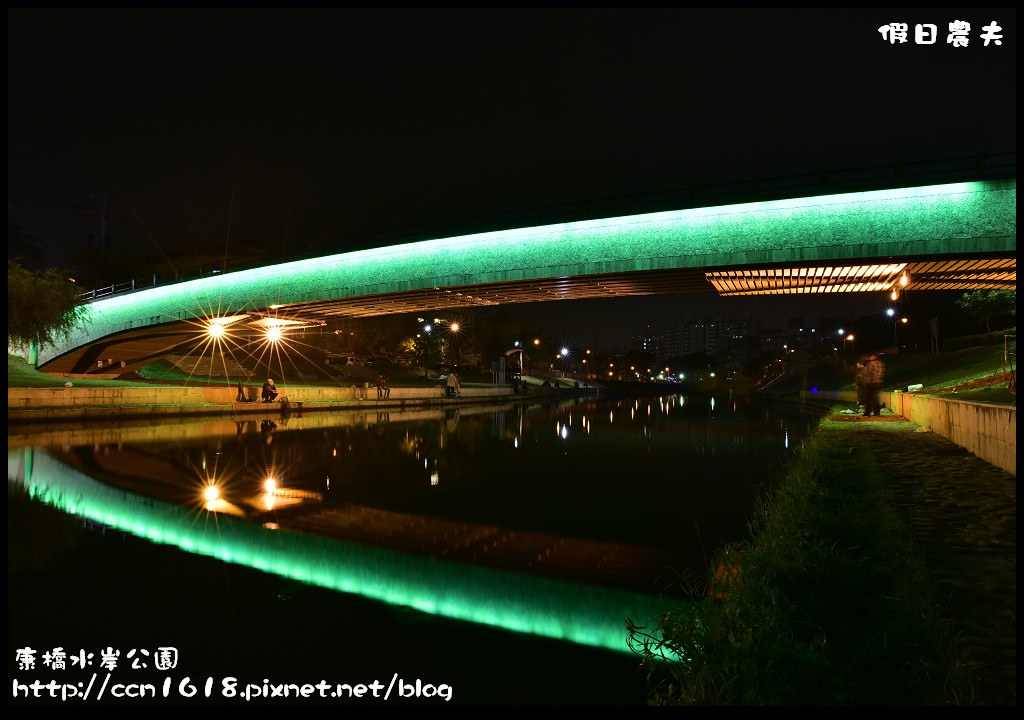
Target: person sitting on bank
(452,385)
(241,397)
(383,391)
(269,393)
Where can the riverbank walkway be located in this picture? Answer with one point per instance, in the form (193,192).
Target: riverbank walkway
(962,512)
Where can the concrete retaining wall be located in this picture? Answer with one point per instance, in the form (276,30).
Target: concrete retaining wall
(54,404)
(985,429)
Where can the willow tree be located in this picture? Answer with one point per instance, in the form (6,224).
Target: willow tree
(42,306)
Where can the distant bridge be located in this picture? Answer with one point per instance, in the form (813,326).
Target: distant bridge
(956,236)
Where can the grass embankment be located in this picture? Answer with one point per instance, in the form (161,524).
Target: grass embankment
(20,374)
(343,376)
(828,604)
(970,373)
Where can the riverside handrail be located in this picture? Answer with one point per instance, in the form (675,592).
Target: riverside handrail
(981,166)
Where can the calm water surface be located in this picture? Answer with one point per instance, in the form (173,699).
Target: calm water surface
(521,516)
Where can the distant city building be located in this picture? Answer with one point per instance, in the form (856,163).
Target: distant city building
(730,340)
(733,341)
(649,342)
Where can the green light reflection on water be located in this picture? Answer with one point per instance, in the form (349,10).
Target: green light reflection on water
(581,614)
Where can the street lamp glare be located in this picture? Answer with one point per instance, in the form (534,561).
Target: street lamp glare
(455,327)
(565,351)
(890,312)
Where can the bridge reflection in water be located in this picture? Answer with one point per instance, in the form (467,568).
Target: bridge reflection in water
(544,606)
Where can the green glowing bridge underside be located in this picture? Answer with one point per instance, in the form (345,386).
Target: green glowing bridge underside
(639,254)
(582,614)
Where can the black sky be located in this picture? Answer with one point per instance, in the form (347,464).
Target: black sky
(263,128)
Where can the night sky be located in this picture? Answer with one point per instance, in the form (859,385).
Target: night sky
(250,131)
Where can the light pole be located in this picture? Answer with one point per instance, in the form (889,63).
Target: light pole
(892,313)
(455,331)
(564,353)
(426,348)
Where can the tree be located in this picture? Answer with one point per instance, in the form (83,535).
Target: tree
(426,346)
(985,304)
(42,306)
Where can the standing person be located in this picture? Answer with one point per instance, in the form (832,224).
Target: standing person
(874,374)
(859,378)
(269,392)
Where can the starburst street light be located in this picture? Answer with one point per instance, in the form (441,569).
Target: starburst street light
(849,339)
(454,328)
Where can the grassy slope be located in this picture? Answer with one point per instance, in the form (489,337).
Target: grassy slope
(21,374)
(935,372)
(831,603)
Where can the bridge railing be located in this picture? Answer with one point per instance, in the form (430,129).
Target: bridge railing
(117,288)
(982,166)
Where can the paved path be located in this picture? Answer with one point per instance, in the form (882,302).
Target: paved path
(963,514)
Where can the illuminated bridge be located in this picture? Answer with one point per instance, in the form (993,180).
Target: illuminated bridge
(959,236)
